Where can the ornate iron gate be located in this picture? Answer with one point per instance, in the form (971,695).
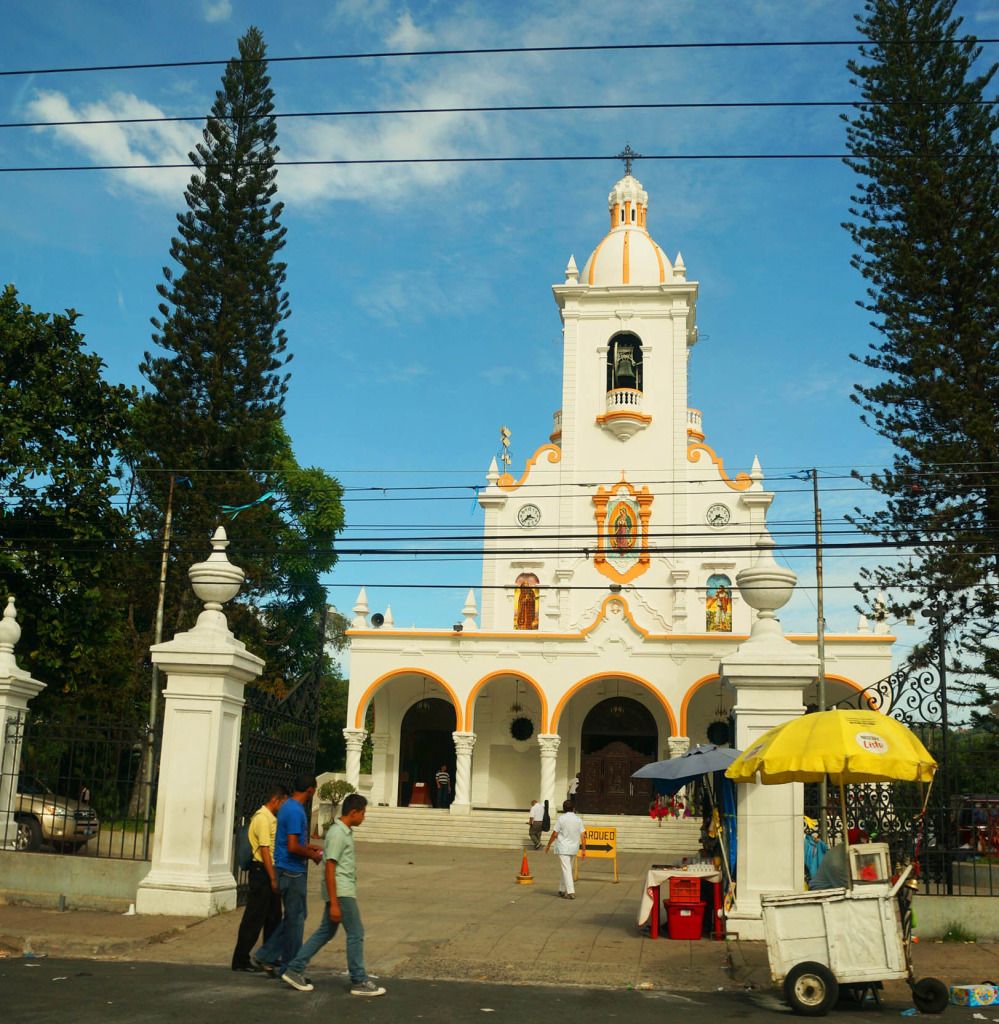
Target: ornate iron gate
(952,848)
(278,741)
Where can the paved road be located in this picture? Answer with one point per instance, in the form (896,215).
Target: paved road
(52,991)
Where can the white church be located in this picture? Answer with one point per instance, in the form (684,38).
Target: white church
(609,596)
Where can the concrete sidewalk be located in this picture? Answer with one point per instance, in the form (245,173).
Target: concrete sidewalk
(459,914)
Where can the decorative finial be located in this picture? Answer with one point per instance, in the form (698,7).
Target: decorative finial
(216,580)
(10,631)
(470,610)
(628,155)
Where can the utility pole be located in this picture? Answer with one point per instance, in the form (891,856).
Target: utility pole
(154,688)
(820,635)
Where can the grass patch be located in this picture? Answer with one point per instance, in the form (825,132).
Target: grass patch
(956,932)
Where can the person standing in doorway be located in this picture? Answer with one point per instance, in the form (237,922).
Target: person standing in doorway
(292,853)
(535,823)
(263,901)
(569,837)
(339,887)
(442,794)
(574,790)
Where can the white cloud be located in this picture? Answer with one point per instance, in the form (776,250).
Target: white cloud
(132,144)
(217,10)
(407,36)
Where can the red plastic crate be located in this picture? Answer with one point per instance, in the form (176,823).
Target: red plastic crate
(684,890)
(684,920)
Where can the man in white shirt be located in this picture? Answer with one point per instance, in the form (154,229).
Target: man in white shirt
(569,834)
(535,822)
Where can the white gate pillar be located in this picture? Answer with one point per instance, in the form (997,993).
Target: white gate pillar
(355,740)
(206,670)
(17,687)
(549,744)
(768,674)
(464,743)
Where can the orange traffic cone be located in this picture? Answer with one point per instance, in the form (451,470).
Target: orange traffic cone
(525,877)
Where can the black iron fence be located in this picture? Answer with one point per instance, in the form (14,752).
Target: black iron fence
(85,784)
(949,830)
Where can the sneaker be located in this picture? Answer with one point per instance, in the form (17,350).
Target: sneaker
(367,988)
(297,980)
(261,965)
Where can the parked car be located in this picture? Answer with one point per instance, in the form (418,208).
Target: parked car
(43,817)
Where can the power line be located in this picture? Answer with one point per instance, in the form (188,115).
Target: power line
(480,51)
(518,108)
(399,161)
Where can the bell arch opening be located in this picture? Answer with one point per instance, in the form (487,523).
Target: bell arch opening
(624,363)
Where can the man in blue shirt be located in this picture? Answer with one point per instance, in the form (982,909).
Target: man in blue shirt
(292,853)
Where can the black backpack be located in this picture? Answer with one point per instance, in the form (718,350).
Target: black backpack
(244,848)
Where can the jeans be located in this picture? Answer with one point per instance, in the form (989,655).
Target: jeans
(351,918)
(286,939)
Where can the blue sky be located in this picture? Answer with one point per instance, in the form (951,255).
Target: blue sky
(422,311)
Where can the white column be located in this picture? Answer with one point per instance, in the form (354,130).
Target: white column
(355,740)
(206,669)
(549,743)
(17,687)
(678,745)
(768,674)
(464,743)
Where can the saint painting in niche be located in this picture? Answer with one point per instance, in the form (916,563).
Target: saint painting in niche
(623,531)
(718,605)
(526,613)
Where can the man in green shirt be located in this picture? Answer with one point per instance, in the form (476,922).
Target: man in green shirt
(339,888)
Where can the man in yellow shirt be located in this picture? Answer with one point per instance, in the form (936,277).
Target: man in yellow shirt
(263,902)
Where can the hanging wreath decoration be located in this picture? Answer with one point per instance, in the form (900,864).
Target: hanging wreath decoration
(522,728)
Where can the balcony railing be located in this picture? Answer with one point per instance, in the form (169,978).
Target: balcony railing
(624,400)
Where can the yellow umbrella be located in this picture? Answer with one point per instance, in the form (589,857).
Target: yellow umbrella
(848,746)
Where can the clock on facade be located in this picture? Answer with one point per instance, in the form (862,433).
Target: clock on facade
(529,515)
(718,515)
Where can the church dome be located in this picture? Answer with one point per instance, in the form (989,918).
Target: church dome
(627,255)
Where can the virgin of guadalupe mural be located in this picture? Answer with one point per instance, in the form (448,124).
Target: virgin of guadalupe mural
(623,528)
(718,605)
(526,614)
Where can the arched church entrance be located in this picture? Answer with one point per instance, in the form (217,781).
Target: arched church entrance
(425,743)
(619,735)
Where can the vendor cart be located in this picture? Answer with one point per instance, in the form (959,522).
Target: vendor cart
(857,937)
(823,942)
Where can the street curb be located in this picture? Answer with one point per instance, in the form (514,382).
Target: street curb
(78,949)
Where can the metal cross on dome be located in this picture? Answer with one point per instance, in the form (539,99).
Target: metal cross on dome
(628,155)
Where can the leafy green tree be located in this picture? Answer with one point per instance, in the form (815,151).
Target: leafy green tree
(211,420)
(61,532)
(923,143)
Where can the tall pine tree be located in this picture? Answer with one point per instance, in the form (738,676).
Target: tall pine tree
(923,142)
(212,417)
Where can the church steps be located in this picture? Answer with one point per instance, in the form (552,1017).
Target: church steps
(508,830)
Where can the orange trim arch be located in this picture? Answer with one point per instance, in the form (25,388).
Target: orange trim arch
(703,681)
(575,688)
(362,705)
(847,682)
(470,703)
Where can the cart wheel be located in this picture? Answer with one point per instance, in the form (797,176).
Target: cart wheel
(811,989)
(930,995)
